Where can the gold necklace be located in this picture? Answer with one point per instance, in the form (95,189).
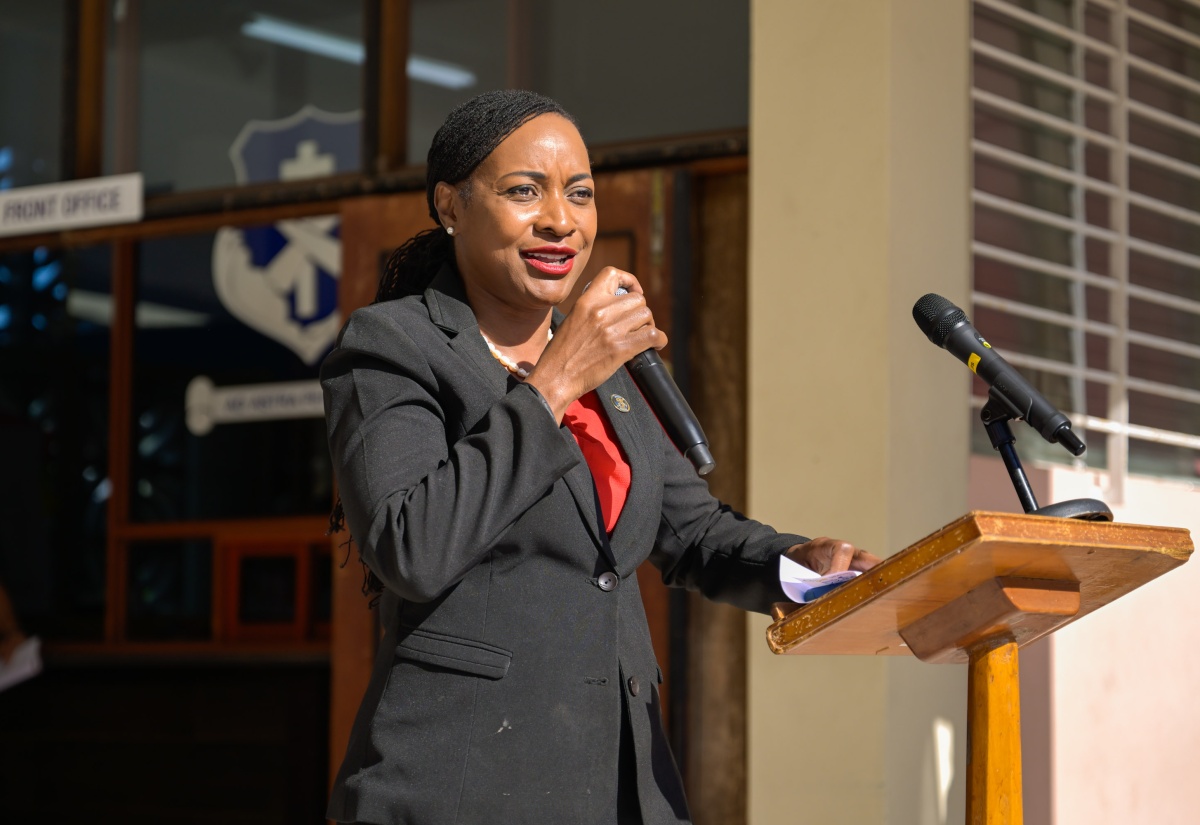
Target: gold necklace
(507,362)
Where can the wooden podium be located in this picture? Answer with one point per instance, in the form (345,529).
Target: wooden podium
(976,591)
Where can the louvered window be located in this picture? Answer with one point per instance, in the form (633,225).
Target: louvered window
(1087,219)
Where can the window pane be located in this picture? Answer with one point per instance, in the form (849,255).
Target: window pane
(189,84)
(322,588)
(31,80)
(1165,230)
(267,591)
(1020,234)
(55,311)
(1165,185)
(230,331)
(1022,186)
(1166,49)
(1022,39)
(1167,322)
(1028,90)
(1036,141)
(1171,414)
(1155,459)
(1164,276)
(170,590)
(694,80)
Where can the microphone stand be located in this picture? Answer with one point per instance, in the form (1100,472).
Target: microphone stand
(995,417)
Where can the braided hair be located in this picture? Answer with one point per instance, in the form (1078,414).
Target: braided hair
(471,132)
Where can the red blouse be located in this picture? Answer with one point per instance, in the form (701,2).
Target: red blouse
(610,470)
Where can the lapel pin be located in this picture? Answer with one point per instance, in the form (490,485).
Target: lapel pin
(620,403)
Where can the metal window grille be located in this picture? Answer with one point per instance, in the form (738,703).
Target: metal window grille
(1086,200)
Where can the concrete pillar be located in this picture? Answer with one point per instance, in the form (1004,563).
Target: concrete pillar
(859,204)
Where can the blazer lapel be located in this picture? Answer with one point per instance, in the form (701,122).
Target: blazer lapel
(449,310)
(628,428)
(583,488)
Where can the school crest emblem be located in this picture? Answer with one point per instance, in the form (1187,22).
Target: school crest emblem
(281,280)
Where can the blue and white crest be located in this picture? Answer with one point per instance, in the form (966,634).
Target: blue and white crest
(281,280)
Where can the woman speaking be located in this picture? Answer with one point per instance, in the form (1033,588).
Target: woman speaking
(503,479)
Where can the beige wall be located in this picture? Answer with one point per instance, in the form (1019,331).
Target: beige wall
(1124,680)
(859,205)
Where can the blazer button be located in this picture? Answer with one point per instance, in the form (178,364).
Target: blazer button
(634,686)
(607,581)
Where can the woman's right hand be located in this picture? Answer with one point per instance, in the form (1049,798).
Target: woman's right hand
(603,331)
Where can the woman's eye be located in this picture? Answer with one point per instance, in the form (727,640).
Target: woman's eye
(523,191)
(582,194)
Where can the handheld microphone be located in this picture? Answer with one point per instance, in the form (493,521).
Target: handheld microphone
(662,393)
(947,326)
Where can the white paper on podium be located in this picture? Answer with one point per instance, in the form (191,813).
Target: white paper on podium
(803,585)
(25,663)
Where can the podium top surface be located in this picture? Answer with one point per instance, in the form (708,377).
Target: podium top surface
(864,616)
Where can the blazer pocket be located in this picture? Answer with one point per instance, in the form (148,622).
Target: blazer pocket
(453,653)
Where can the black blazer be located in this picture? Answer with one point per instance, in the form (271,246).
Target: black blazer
(497,692)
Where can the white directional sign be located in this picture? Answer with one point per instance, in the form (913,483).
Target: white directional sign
(207,405)
(73,205)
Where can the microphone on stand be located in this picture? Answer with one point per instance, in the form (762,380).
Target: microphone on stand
(947,326)
(662,393)
(1010,396)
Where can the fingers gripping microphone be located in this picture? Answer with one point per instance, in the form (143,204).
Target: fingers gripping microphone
(947,326)
(662,393)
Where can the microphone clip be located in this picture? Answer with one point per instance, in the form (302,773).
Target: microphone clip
(995,415)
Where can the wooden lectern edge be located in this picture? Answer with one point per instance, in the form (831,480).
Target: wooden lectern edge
(854,594)
(791,629)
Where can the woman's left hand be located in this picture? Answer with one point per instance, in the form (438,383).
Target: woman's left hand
(825,555)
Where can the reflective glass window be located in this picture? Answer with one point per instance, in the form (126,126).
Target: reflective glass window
(31,84)
(276,589)
(55,314)
(227,413)
(210,94)
(626,70)
(170,590)
(267,591)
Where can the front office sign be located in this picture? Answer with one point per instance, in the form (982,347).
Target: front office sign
(72,205)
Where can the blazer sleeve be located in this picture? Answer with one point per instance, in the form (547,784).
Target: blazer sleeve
(423,505)
(709,547)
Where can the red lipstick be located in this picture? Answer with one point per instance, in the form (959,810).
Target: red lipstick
(552,260)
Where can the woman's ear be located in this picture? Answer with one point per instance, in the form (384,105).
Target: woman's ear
(447,203)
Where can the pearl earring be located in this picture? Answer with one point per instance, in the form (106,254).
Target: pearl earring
(449,230)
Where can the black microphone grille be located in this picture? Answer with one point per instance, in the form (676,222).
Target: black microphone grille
(937,317)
